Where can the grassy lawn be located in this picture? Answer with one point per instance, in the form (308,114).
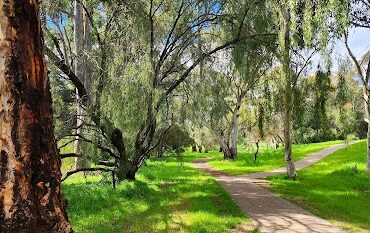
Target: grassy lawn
(267,158)
(337,188)
(168,196)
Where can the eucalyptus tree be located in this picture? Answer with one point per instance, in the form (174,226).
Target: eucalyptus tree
(82,40)
(145,50)
(360,17)
(30,192)
(218,96)
(302,24)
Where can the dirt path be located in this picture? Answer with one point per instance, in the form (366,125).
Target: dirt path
(269,212)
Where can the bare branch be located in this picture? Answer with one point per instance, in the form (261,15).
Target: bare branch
(71,155)
(93,169)
(69,72)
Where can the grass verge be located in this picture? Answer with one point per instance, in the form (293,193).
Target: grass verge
(168,196)
(337,188)
(267,159)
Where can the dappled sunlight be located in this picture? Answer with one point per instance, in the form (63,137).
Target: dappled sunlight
(167,196)
(267,159)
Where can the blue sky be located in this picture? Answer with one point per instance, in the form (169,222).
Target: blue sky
(359,42)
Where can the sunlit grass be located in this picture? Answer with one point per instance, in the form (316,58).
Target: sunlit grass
(267,159)
(337,188)
(168,196)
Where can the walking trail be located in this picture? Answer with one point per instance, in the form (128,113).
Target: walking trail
(269,212)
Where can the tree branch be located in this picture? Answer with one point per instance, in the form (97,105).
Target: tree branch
(93,169)
(69,73)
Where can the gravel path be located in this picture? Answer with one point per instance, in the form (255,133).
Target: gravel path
(269,212)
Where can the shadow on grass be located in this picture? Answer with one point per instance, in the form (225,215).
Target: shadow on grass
(336,188)
(164,198)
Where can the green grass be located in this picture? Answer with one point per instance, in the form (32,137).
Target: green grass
(168,196)
(268,159)
(337,188)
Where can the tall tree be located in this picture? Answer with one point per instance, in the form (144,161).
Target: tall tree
(30,194)
(302,25)
(162,61)
(78,37)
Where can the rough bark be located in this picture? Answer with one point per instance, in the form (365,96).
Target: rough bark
(291,171)
(30,195)
(227,150)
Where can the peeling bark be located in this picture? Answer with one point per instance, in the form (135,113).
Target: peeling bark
(30,195)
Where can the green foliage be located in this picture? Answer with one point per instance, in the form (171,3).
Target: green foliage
(328,107)
(337,188)
(175,139)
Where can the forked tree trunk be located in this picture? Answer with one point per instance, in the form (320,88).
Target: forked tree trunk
(227,151)
(30,195)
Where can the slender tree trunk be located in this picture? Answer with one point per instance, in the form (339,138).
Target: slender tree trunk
(367,114)
(194,148)
(367,109)
(88,46)
(234,132)
(30,196)
(292,173)
(80,162)
(200,148)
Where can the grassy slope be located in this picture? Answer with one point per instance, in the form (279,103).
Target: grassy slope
(168,196)
(267,158)
(337,188)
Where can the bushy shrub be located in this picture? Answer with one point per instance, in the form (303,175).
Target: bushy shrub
(175,139)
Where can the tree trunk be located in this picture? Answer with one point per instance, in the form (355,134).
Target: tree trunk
(367,109)
(200,148)
(80,162)
(367,114)
(87,56)
(227,150)
(292,173)
(194,148)
(234,132)
(368,147)
(30,195)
